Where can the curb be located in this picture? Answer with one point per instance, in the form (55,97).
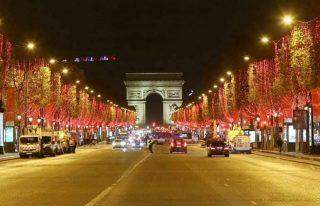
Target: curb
(288,155)
(9,158)
(283,157)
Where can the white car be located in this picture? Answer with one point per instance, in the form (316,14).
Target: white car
(119,143)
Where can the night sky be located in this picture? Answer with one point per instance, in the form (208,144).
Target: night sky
(202,39)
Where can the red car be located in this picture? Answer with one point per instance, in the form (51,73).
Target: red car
(178,145)
(218,147)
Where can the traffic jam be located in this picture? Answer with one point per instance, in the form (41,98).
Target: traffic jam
(178,141)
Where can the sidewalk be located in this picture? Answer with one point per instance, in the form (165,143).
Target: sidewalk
(291,156)
(8,156)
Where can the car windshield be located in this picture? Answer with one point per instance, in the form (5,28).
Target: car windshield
(46,139)
(218,144)
(31,140)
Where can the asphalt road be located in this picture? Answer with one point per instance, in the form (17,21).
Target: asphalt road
(102,176)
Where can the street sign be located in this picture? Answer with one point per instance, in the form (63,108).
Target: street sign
(300,119)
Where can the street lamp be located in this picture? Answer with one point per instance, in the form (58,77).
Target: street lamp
(65,71)
(222,80)
(31,46)
(287,20)
(78,82)
(52,61)
(99,95)
(264,40)
(86,87)
(229,73)
(30,119)
(215,86)
(91,91)
(246,58)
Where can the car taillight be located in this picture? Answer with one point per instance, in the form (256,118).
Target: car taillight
(171,144)
(226,148)
(184,144)
(213,148)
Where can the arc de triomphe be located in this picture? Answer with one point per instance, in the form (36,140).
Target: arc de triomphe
(140,85)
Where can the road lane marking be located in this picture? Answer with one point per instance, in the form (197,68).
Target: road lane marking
(106,191)
(226,185)
(253,202)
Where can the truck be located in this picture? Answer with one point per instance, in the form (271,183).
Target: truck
(241,144)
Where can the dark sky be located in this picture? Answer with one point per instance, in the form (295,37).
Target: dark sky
(200,38)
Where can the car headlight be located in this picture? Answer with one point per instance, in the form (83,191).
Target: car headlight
(113,143)
(122,143)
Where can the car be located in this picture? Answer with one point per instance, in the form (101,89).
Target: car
(137,144)
(119,143)
(218,147)
(178,145)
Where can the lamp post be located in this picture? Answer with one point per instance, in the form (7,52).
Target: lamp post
(1,128)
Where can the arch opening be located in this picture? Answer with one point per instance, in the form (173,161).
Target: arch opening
(154,109)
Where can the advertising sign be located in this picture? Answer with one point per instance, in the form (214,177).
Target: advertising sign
(1,129)
(8,134)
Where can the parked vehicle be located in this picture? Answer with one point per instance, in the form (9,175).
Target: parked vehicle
(241,144)
(218,147)
(63,139)
(36,145)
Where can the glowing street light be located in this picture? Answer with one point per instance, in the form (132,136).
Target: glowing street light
(19,117)
(287,20)
(91,91)
(86,87)
(199,97)
(31,46)
(99,95)
(78,82)
(52,61)
(246,58)
(229,73)
(210,91)
(222,80)
(215,86)
(264,39)
(65,71)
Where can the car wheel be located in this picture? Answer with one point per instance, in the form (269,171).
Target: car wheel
(209,155)
(226,155)
(23,156)
(170,152)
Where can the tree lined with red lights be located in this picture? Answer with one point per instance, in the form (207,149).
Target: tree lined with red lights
(266,88)
(34,91)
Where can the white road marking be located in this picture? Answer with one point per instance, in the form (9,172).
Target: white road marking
(226,185)
(253,202)
(106,191)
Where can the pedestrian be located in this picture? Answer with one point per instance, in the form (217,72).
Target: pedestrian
(150,146)
(280,143)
